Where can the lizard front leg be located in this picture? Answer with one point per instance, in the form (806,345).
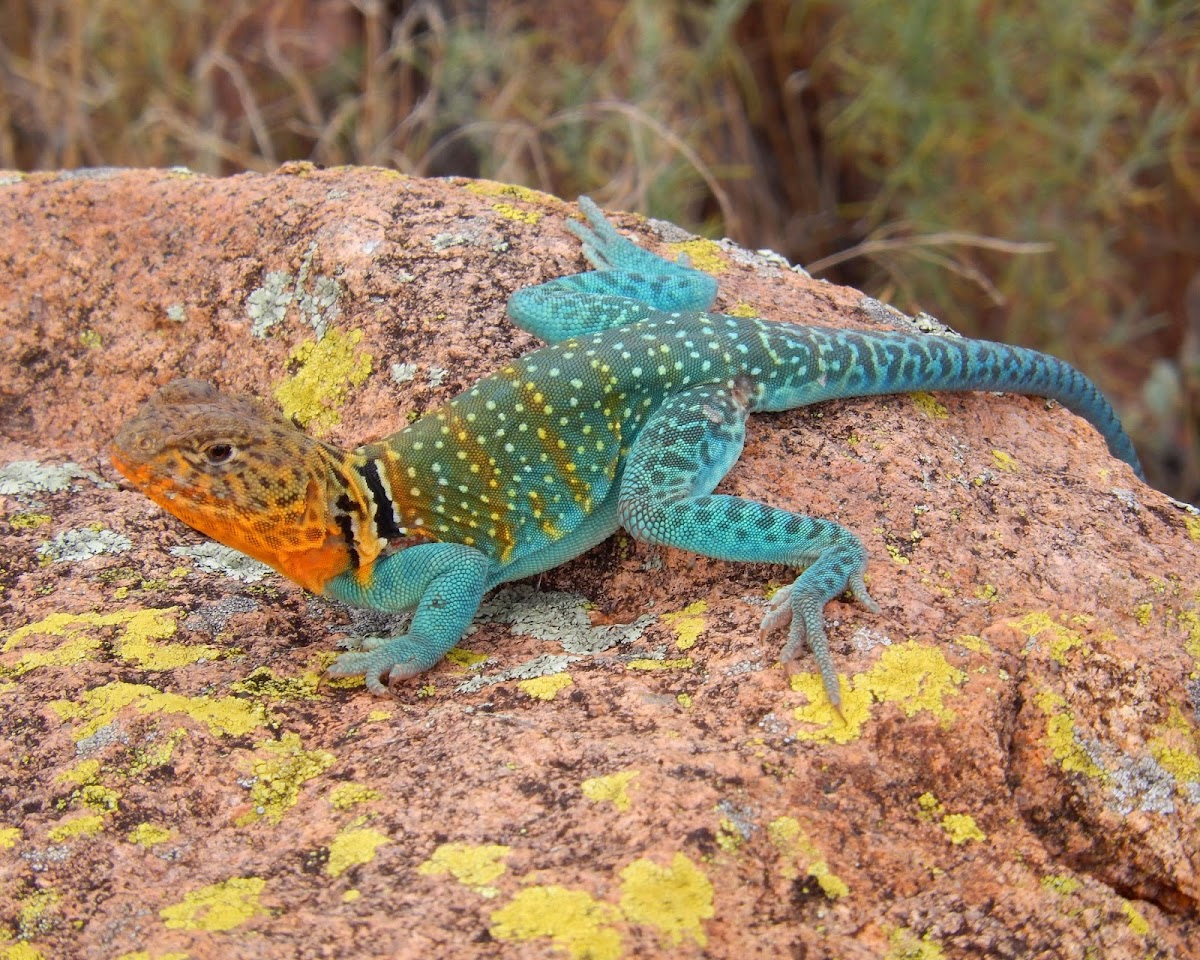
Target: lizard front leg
(443,581)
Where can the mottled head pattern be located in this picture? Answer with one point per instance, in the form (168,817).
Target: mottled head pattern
(240,474)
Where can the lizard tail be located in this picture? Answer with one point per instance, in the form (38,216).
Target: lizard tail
(856,364)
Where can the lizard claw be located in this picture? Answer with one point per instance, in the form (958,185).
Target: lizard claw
(802,612)
(384,662)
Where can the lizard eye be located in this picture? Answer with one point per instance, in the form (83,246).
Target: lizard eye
(219,453)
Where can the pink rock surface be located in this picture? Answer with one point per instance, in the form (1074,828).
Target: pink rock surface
(1017,774)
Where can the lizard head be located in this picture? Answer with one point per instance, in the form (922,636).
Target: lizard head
(239,473)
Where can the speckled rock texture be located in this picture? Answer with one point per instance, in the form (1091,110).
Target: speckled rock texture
(613,764)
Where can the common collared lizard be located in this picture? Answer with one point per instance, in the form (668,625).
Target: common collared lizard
(628,419)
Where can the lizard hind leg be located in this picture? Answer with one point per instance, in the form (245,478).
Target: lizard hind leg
(629,284)
(666,498)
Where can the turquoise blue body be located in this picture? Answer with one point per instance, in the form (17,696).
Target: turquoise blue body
(629,419)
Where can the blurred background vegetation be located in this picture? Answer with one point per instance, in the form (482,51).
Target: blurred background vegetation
(1026,170)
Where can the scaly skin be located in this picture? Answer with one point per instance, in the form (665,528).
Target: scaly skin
(628,419)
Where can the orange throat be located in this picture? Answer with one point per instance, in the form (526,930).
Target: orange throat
(305,545)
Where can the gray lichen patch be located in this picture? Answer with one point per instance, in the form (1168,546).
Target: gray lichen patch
(557,617)
(28,478)
(83,543)
(213,617)
(317,302)
(215,558)
(545,665)
(268,305)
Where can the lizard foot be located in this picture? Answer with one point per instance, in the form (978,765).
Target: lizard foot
(383,661)
(800,608)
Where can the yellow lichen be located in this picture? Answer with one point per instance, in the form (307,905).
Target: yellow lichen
(465,658)
(1137,923)
(793,843)
(729,836)
(613,788)
(703,255)
(743,309)
(1190,621)
(914,677)
(266,685)
(96,796)
(1060,639)
(9,837)
(1174,747)
(1061,738)
(86,771)
(906,945)
(510,212)
(645,663)
(675,900)
(328,368)
(279,776)
(545,688)
(28,521)
(146,955)
(21,951)
(100,706)
(572,920)
(1005,461)
(137,640)
(475,865)
(687,623)
(1062,884)
(928,404)
(492,188)
(1192,523)
(149,834)
(87,826)
(961,827)
(347,795)
(217,907)
(973,643)
(821,721)
(351,848)
(32,916)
